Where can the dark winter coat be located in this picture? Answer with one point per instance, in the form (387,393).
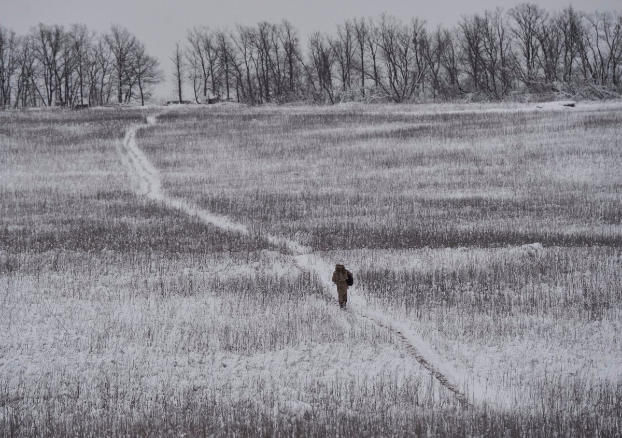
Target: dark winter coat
(340,276)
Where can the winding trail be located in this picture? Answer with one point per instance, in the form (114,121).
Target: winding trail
(148,184)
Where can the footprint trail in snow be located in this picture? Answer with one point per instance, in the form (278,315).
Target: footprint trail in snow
(148,182)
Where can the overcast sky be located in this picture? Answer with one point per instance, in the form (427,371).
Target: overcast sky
(161,23)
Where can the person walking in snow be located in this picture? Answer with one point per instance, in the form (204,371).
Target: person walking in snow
(342,278)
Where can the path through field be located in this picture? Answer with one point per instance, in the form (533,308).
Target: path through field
(148,184)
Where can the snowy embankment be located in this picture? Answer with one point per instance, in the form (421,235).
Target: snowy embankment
(148,184)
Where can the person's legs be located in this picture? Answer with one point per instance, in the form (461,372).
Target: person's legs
(343,296)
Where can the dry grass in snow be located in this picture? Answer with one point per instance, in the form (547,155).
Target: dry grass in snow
(125,315)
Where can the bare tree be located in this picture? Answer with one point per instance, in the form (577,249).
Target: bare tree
(372,42)
(9,64)
(226,58)
(471,41)
(47,43)
(146,70)
(402,50)
(613,37)
(322,61)
(210,50)
(451,63)
(528,20)
(244,42)
(292,55)
(196,70)
(343,48)
(605,48)
(179,67)
(67,73)
(27,91)
(121,43)
(277,65)
(80,41)
(201,64)
(571,27)
(434,48)
(100,70)
(361,31)
(498,55)
(266,71)
(550,39)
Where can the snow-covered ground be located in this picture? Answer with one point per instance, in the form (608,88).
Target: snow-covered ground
(150,186)
(144,281)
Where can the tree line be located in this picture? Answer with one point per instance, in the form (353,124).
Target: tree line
(492,55)
(58,66)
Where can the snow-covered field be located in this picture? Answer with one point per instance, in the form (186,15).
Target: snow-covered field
(166,272)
